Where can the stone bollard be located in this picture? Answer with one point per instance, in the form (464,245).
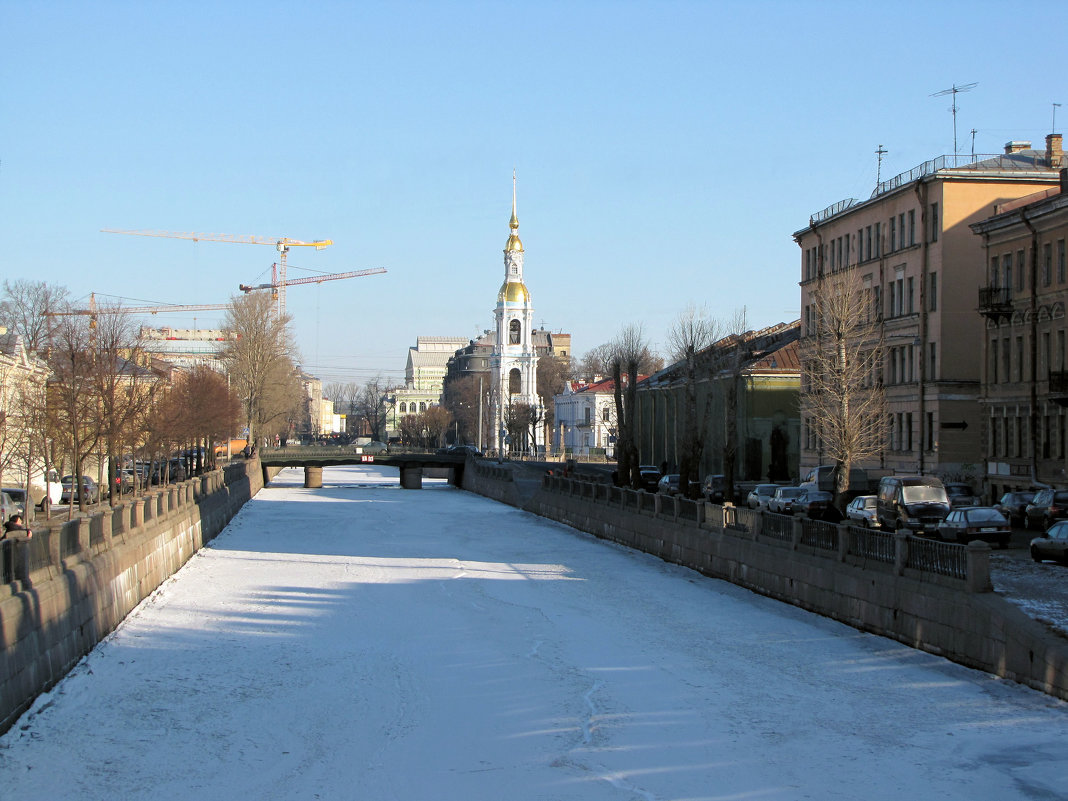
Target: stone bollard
(138,519)
(411,477)
(122,515)
(979,567)
(107,524)
(313,477)
(901,550)
(843,541)
(83,535)
(796,530)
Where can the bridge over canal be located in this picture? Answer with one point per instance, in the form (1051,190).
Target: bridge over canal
(412,464)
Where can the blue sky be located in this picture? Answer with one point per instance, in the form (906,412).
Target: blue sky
(665,151)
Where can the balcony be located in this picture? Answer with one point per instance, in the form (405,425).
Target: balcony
(1058,387)
(995,302)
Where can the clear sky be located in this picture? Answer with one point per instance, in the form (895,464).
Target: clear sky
(665,151)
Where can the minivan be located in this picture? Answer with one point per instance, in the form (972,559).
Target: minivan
(918,503)
(823,478)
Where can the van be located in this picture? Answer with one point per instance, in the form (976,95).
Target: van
(823,479)
(918,503)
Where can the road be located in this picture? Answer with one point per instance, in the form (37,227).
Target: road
(363,641)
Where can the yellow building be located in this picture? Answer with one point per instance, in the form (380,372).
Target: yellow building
(914,253)
(1024,388)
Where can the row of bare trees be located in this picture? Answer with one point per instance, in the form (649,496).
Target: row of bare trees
(102,397)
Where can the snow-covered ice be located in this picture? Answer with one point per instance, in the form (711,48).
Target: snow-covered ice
(366,642)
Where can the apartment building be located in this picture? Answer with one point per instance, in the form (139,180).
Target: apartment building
(919,261)
(585,419)
(1024,388)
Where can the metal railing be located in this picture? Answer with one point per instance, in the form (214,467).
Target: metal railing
(867,544)
(777,527)
(819,534)
(942,558)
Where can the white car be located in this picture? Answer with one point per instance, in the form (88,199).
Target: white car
(863,511)
(760,495)
(782,502)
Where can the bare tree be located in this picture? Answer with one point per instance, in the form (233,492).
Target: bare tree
(841,391)
(596,363)
(690,338)
(24,308)
(260,365)
(73,398)
(461,398)
(371,404)
(630,353)
(553,373)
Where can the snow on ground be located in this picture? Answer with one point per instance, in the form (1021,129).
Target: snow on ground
(1039,589)
(366,642)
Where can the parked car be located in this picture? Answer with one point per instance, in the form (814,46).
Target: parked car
(668,485)
(1052,545)
(760,495)
(961,494)
(1047,507)
(825,477)
(782,501)
(918,503)
(1013,504)
(863,510)
(976,523)
(817,505)
(464,450)
(72,494)
(8,507)
(648,479)
(714,488)
(18,497)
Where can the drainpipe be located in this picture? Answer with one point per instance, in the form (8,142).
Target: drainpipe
(921,196)
(1032,432)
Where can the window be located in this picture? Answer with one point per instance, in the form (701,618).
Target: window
(1006,268)
(586,415)
(901,228)
(878,301)
(893,234)
(908,431)
(1020,271)
(867,243)
(513,332)
(1047,441)
(1061,277)
(515,381)
(932,373)
(995,275)
(933,299)
(912,227)
(995,436)
(878,240)
(993,378)
(403,407)
(1046,364)
(1019,358)
(934,222)
(930,431)
(1047,264)
(422,406)
(911,308)
(1006,357)
(1060,350)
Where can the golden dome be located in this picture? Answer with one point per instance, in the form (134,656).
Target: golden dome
(514,243)
(513,292)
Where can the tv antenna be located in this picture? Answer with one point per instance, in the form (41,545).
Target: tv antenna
(879,170)
(955,90)
(974,132)
(1054,128)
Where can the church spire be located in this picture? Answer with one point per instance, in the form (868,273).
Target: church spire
(514,243)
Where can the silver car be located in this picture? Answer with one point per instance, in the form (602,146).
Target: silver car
(760,495)
(863,510)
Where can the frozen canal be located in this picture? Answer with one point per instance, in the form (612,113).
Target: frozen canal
(367,642)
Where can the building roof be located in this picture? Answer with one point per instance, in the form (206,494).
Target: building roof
(769,350)
(1022,163)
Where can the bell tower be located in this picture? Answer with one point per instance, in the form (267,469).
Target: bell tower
(516,409)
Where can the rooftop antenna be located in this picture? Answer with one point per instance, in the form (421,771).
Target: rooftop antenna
(974,132)
(879,170)
(955,90)
(1055,107)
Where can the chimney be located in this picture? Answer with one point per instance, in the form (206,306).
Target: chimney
(1016,145)
(1064,180)
(1054,153)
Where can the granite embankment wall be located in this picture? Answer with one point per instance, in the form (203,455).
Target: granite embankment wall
(72,583)
(930,595)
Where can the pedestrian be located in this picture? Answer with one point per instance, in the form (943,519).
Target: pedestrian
(14,525)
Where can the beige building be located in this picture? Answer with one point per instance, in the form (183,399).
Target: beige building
(424,376)
(22,388)
(914,252)
(1024,362)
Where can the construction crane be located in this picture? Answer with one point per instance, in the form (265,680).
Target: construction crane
(277,283)
(92,310)
(283,244)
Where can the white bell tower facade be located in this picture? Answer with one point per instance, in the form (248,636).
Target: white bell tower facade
(517,411)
